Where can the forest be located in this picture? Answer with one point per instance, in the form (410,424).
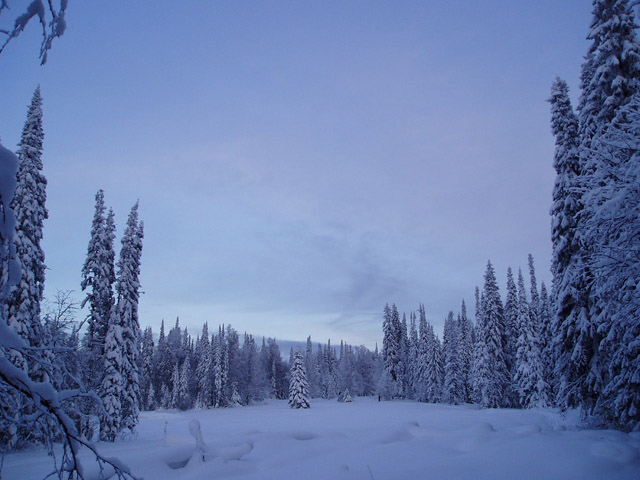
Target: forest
(574,346)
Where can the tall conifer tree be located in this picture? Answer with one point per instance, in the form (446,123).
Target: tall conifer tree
(98,277)
(299,388)
(28,204)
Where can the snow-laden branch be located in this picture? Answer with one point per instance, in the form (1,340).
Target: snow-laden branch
(47,404)
(51,18)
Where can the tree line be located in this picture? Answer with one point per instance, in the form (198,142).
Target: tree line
(500,360)
(576,346)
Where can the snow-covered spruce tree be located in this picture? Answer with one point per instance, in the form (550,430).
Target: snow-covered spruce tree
(112,386)
(233,359)
(9,267)
(28,203)
(299,387)
(465,329)
(252,387)
(128,293)
(236,399)
(162,367)
(543,388)
(328,386)
(391,349)
(151,401)
(547,352)
(175,392)
(480,369)
(331,370)
(611,77)
(433,374)
(529,378)
(181,393)
(346,371)
(98,277)
(511,335)
(165,396)
(613,226)
(120,389)
(146,371)
(569,342)
(9,276)
(403,354)
(491,375)
(611,71)
(315,387)
(451,391)
(420,384)
(204,370)
(413,358)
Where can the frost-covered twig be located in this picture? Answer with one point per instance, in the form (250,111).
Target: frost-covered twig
(51,29)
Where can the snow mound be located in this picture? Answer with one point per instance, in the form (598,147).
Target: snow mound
(178,457)
(476,436)
(525,430)
(401,435)
(235,452)
(304,435)
(620,453)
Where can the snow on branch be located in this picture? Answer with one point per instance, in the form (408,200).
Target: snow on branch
(51,19)
(47,402)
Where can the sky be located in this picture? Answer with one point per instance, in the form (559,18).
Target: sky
(300,164)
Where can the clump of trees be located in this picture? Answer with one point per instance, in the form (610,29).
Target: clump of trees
(576,346)
(42,398)
(595,229)
(497,362)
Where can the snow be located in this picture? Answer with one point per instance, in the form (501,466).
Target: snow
(362,440)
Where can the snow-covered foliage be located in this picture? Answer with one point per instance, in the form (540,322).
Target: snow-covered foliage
(146,370)
(613,226)
(120,387)
(49,415)
(511,309)
(49,419)
(490,369)
(430,372)
(595,225)
(98,277)
(569,341)
(529,375)
(452,391)
(298,386)
(391,350)
(28,203)
(465,343)
(51,18)
(126,309)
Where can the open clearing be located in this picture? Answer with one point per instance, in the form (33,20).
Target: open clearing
(363,440)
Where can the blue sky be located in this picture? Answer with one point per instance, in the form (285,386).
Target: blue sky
(300,164)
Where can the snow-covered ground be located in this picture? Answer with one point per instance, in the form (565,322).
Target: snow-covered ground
(364,440)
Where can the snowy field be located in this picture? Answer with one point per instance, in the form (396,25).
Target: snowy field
(364,440)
